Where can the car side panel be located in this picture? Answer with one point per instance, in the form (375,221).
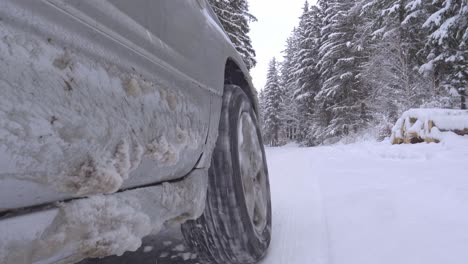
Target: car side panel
(99,98)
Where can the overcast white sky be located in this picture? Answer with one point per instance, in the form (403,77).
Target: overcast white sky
(276,20)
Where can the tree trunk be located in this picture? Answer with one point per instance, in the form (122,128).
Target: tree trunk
(463,99)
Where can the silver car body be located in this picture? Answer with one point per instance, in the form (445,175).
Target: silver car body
(109,102)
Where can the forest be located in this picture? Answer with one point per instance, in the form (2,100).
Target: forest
(352,67)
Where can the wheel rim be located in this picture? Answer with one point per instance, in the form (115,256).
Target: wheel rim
(252,172)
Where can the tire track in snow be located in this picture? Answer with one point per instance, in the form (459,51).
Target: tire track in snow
(323,227)
(299,229)
(328,255)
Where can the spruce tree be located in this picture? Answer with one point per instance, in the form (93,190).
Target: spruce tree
(273,106)
(306,73)
(447,46)
(235,18)
(342,94)
(288,84)
(391,70)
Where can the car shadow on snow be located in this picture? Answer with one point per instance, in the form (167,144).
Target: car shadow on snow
(167,247)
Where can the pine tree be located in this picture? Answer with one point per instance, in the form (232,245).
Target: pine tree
(391,70)
(342,95)
(447,47)
(430,92)
(273,106)
(305,70)
(235,18)
(288,83)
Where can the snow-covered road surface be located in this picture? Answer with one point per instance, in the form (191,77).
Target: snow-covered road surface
(364,203)
(370,203)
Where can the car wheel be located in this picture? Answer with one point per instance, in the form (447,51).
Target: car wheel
(235,227)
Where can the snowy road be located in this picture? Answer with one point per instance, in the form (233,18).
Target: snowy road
(374,203)
(364,203)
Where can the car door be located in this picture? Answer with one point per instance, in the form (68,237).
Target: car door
(146,68)
(182,27)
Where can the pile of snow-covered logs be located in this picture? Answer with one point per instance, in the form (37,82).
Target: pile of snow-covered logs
(429,125)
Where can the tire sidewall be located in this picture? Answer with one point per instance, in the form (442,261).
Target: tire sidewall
(238,104)
(225,233)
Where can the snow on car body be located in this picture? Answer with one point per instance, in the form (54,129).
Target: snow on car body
(99,97)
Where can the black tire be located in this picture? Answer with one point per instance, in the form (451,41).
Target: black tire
(225,233)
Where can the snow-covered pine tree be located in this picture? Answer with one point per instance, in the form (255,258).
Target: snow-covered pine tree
(328,12)
(235,17)
(342,95)
(430,92)
(391,70)
(322,113)
(447,46)
(305,73)
(288,84)
(273,107)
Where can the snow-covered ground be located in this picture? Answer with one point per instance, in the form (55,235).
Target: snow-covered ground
(369,203)
(364,203)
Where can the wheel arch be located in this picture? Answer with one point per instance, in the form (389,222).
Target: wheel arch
(238,75)
(235,73)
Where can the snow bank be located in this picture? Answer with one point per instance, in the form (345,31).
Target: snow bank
(429,125)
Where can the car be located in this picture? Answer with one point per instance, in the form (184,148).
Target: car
(119,117)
